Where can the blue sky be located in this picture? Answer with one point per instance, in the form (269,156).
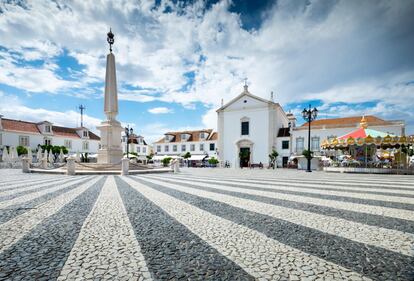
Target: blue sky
(176,60)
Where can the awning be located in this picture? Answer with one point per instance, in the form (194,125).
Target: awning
(160,157)
(197,157)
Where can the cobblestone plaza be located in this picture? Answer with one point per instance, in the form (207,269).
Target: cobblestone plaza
(207,224)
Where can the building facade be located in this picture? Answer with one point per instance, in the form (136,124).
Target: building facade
(137,145)
(250,127)
(200,143)
(30,134)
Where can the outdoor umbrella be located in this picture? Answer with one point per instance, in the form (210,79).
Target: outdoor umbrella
(50,157)
(61,157)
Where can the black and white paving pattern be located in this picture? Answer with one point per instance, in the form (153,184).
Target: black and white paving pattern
(207,224)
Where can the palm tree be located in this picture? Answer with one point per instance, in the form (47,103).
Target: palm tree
(273,156)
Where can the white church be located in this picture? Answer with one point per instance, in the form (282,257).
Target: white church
(250,127)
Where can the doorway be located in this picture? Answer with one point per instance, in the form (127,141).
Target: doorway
(285,161)
(244,156)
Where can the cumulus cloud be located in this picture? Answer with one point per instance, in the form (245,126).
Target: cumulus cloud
(15,109)
(160,110)
(350,51)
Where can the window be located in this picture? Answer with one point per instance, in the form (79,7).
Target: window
(48,142)
(138,149)
(47,128)
(212,146)
(202,135)
(183,147)
(245,128)
(144,150)
(85,134)
(68,144)
(85,145)
(315,144)
(175,148)
(299,145)
(183,136)
(24,141)
(201,146)
(166,148)
(192,147)
(158,148)
(285,144)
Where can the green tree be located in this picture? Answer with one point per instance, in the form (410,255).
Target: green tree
(166,161)
(308,154)
(272,158)
(186,156)
(21,150)
(213,161)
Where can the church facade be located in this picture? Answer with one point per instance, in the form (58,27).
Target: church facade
(250,128)
(247,128)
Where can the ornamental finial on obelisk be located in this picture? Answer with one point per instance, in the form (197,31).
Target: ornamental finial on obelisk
(110,39)
(111,93)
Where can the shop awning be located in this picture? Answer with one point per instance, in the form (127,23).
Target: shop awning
(197,157)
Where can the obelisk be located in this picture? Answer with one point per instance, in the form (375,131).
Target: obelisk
(110,151)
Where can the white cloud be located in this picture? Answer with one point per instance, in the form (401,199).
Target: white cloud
(338,51)
(14,109)
(160,110)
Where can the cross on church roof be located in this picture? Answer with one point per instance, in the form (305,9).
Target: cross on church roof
(245,85)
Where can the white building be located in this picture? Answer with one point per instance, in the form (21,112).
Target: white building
(248,127)
(30,134)
(201,144)
(137,145)
(251,126)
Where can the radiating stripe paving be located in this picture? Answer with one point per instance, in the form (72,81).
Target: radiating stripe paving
(354,255)
(171,250)
(259,255)
(378,220)
(321,185)
(42,252)
(24,184)
(106,248)
(16,192)
(14,229)
(36,194)
(365,198)
(392,240)
(350,206)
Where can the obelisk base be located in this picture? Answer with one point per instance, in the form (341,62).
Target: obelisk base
(110,151)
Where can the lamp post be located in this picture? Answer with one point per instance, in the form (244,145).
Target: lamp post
(309,115)
(128,132)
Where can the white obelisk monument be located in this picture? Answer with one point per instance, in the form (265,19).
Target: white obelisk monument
(110,151)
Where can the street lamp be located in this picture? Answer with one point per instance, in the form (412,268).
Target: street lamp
(128,132)
(309,115)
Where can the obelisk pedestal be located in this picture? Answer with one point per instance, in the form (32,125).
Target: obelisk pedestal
(110,151)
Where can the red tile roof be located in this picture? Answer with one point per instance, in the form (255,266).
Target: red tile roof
(19,126)
(31,127)
(194,135)
(346,122)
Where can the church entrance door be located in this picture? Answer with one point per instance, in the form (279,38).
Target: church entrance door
(244,156)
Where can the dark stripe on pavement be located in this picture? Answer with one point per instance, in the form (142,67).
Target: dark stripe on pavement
(369,219)
(13,211)
(171,251)
(279,186)
(41,254)
(374,262)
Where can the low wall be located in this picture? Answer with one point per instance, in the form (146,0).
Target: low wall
(368,170)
